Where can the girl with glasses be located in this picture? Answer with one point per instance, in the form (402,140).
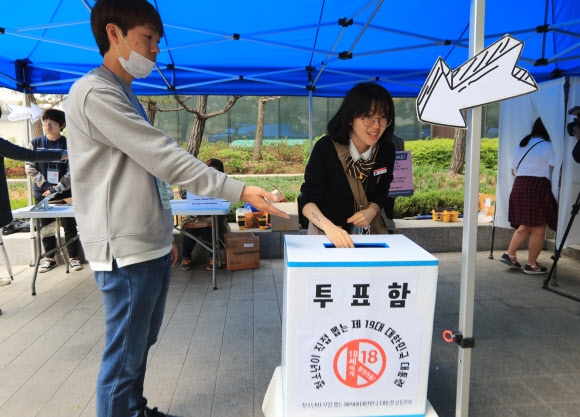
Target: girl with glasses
(348,176)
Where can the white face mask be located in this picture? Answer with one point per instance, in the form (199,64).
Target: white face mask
(137,65)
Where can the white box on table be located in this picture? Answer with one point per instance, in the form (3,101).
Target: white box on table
(357,327)
(282,224)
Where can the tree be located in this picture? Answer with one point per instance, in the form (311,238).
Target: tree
(458,157)
(159,104)
(260,125)
(200,113)
(196,134)
(151,109)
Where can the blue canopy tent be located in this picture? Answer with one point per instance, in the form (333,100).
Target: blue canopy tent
(262,47)
(309,48)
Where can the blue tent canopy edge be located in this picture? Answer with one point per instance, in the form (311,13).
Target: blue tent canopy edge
(293,48)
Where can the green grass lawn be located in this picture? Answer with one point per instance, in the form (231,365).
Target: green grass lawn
(18,195)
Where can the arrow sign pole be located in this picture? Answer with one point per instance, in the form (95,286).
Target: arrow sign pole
(491,75)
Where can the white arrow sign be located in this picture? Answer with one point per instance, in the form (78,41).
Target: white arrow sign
(18,113)
(491,75)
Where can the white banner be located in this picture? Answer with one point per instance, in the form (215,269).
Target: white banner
(516,119)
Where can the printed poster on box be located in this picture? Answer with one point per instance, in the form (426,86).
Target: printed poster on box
(342,362)
(402,184)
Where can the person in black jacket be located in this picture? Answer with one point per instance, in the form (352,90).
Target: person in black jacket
(12,151)
(576,150)
(364,123)
(52,178)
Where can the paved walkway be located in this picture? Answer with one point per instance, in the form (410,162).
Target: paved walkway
(218,349)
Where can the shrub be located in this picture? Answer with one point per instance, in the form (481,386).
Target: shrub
(434,188)
(489,153)
(280,158)
(438,152)
(14,169)
(424,202)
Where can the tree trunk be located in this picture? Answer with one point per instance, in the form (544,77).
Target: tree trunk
(260,125)
(259,130)
(458,157)
(36,126)
(151,110)
(198,127)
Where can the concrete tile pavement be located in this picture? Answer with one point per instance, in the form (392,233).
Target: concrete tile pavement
(218,349)
(527,355)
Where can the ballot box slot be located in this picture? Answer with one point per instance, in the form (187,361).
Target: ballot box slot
(359,245)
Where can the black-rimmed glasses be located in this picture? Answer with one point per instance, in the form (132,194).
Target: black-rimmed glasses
(369,121)
(50,123)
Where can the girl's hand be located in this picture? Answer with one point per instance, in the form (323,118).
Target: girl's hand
(339,237)
(364,217)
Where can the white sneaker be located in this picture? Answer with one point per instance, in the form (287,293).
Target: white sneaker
(75,265)
(47,265)
(5,281)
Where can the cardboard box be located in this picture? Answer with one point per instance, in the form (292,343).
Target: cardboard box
(242,251)
(252,221)
(281,224)
(486,201)
(279,195)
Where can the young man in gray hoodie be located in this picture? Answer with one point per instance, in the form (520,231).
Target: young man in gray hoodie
(118,165)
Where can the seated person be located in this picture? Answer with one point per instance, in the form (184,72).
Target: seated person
(191,225)
(53,177)
(576,131)
(12,151)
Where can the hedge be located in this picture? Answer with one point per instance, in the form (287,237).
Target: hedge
(438,152)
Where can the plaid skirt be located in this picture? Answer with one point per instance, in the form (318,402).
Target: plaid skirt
(532,203)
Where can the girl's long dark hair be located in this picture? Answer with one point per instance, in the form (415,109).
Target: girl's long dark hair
(362,99)
(538,131)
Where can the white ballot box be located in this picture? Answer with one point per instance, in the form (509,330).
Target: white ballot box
(357,327)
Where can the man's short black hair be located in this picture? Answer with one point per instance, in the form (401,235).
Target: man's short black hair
(56,116)
(216,164)
(126,14)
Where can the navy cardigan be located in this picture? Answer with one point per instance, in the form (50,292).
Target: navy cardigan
(12,151)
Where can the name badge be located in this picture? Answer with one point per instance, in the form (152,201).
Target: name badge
(380,171)
(52,176)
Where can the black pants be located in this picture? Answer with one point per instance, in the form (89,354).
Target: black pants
(390,207)
(203,233)
(69,225)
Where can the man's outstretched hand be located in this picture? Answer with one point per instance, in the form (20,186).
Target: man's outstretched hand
(257,196)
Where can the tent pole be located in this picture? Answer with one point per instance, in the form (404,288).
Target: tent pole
(557,236)
(472,172)
(310,139)
(492,237)
(29,192)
